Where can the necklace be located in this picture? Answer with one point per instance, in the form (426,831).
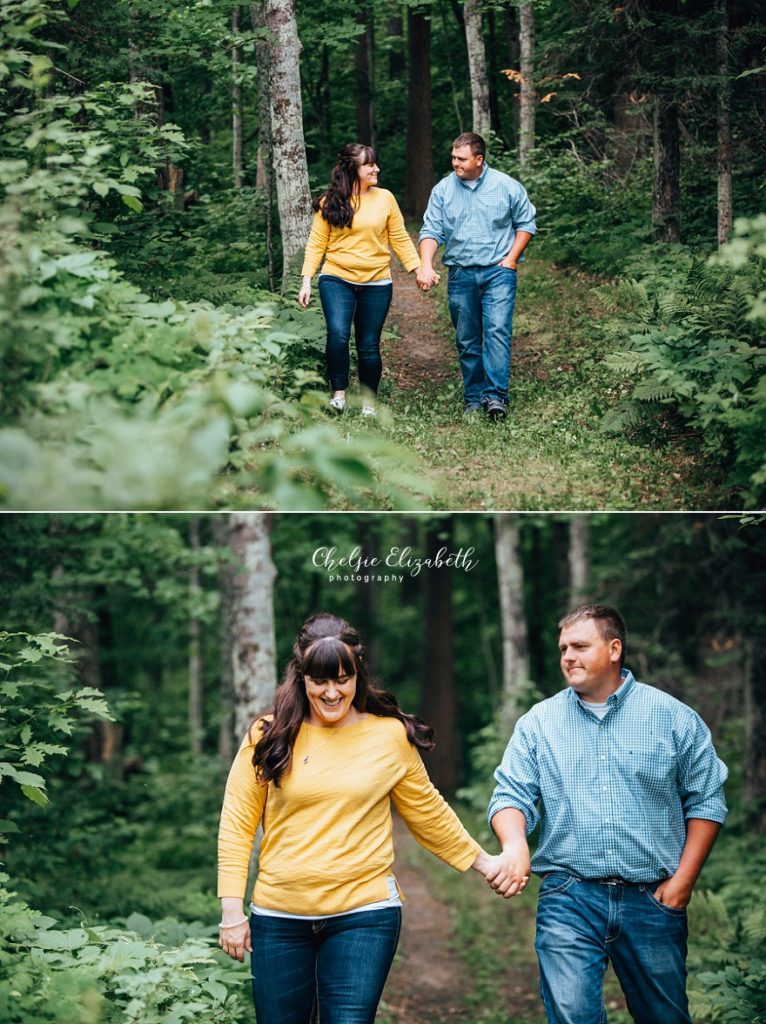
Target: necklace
(327,739)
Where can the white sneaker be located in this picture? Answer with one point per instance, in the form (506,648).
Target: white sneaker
(369,410)
(338,404)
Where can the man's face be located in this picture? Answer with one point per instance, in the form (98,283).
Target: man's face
(591,665)
(465,164)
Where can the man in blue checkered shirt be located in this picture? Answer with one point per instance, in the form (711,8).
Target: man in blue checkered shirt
(629,790)
(485,221)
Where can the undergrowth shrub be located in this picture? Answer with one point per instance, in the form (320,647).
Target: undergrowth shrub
(692,345)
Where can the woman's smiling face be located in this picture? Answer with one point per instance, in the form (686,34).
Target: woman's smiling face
(331,701)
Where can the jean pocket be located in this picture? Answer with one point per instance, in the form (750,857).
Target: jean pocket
(555,882)
(670,911)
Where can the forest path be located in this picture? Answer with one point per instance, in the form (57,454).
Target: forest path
(429,982)
(551,452)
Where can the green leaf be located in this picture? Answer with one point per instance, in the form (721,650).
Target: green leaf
(133,204)
(35,795)
(100,188)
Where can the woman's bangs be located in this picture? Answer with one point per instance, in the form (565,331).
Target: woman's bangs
(328,659)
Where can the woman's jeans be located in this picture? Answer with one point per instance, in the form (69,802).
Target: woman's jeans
(481,301)
(366,306)
(581,925)
(342,961)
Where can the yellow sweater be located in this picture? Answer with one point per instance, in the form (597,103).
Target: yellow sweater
(327,830)
(361,253)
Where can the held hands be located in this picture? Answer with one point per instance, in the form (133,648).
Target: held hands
(507,872)
(426,277)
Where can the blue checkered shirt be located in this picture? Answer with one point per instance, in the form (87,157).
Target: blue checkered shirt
(613,795)
(477,225)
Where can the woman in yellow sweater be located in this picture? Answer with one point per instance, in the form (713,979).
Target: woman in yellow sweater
(320,774)
(354,225)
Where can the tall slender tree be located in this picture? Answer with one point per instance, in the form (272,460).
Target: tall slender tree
(527,96)
(513,621)
(253,648)
(236,101)
(365,76)
(195,642)
(723,118)
(290,164)
(419,170)
(477,66)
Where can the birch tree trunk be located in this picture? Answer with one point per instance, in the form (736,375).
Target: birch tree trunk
(723,114)
(195,645)
(527,96)
(578,560)
(236,102)
(292,176)
(439,700)
(253,651)
(513,622)
(477,67)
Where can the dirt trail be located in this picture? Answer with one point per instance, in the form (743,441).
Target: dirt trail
(427,982)
(420,354)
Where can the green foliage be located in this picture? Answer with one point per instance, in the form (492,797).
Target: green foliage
(102,975)
(36,710)
(691,346)
(588,213)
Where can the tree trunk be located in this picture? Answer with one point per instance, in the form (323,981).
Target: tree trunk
(226,734)
(723,111)
(253,651)
(439,700)
(419,170)
(513,622)
(666,191)
(754,754)
(395,27)
(292,176)
(493,73)
(365,122)
(264,179)
(512,33)
(578,560)
(527,97)
(477,67)
(236,102)
(195,646)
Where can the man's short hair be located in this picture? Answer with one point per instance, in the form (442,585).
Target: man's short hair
(609,623)
(476,142)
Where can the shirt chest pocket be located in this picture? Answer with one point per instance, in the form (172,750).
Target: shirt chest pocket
(651,765)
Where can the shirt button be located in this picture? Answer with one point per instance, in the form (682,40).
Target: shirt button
(603,757)
(605,789)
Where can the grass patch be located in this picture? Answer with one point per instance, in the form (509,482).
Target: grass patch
(551,452)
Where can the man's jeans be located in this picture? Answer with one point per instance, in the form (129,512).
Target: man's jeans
(366,307)
(344,961)
(481,301)
(581,925)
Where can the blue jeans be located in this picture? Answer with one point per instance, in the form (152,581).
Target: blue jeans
(581,925)
(481,301)
(343,962)
(366,306)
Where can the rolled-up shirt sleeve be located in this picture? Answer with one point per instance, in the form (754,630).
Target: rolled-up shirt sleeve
(522,211)
(433,218)
(517,777)
(701,773)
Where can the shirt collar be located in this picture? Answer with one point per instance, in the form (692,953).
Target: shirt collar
(619,695)
(478,181)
